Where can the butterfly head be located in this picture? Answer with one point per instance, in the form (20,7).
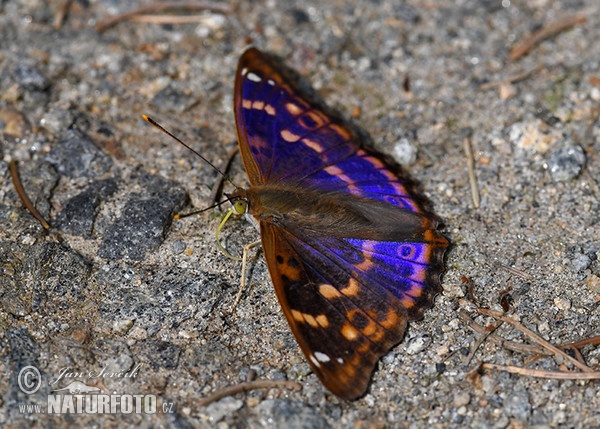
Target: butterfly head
(239,199)
(240,206)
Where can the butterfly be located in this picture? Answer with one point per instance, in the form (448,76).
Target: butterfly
(351,250)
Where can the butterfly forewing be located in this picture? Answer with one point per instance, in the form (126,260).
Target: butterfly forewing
(278,128)
(351,250)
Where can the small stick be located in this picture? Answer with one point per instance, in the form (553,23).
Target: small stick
(480,341)
(515,271)
(470,289)
(538,373)
(61,14)
(523,47)
(578,344)
(250,385)
(534,337)
(498,340)
(161,7)
(14,174)
(168,19)
(471,169)
(511,79)
(578,355)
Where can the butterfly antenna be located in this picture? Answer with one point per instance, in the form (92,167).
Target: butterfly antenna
(239,206)
(177,139)
(181,216)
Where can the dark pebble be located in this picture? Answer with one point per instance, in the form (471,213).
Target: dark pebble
(173,99)
(145,219)
(76,155)
(30,78)
(284,413)
(78,216)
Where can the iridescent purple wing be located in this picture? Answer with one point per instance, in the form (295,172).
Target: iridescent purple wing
(348,301)
(284,138)
(342,327)
(275,126)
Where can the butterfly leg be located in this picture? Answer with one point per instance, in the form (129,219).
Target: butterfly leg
(243,277)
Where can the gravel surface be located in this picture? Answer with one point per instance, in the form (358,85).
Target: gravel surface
(122,298)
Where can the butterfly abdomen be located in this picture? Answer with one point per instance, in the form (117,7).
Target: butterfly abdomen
(336,215)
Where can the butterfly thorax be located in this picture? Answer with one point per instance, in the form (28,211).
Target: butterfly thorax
(334,214)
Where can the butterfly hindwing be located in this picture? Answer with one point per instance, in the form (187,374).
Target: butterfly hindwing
(342,327)
(381,267)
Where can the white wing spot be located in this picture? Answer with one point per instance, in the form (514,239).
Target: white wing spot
(340,361)
(314,360)
(322,357)
(271,82)
(253,77)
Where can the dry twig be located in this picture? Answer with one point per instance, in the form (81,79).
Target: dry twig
(498,315)
(527,44)
(581,343)
(162,7)
(498,340)
(538,373)
(471,169)
(487,332)
(250,385)
(14,174)
(511,79)
(61,14)
(513,270)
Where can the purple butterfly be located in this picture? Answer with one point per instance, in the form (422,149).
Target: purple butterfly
(351,250)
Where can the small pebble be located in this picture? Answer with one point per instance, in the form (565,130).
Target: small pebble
(562,303)
(461,399)
(217,410)
(418,344)
(30,78)
(405,152)
(566,163)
